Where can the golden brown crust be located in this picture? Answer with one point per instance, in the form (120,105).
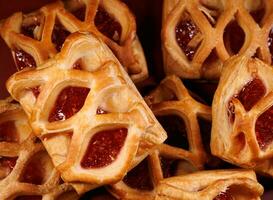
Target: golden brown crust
(162,104)
(128,50)
(207,185)
(212,17)
(234,136)
(110,89)
(26,149)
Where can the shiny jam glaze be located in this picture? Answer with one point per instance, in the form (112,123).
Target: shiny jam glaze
(270,43)
(8,163)
(185,31)
(139,177)
(101,111)
(176,130)
(264,128)
(234,37)
(23,60)
(104,148)
(251,93)
(77,65)
(108,25)
(79,13)
(59,35)
(33,173)
(224,196)
(29,197)
(8,132)
(69,102)
(168,166)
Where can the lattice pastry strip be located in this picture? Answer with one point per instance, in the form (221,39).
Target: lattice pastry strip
(242,114)
(38,36)
(199,35)
(89,115)
(181,153)
(211,185)
(26,170)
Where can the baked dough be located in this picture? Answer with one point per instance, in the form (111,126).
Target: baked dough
(87,111)
(38,36)
(242,114)
(211,185)
(198,35)
(171,158)
(26,170)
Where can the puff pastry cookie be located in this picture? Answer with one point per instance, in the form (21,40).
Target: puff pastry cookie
(38,36)
(26,170)
(211,185)
(242,114)
(181,153)
(198,35)
(88,113)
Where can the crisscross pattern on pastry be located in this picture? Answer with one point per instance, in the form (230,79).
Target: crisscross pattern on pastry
(89,115)
(38,36)
(26,170)
(211,185)
(181,153)
(242,114)
(199,35)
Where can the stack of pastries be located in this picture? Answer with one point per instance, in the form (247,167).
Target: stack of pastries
(76,126)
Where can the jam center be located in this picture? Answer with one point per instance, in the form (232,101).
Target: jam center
(104,148)
(32,197)
(264,128)
(186,36)
(224,196)
(270,43)
(7,163)
(59,35)
(139,177)
(8,132)
(80,13)
(69,102)
(176,130)
(23,60)
(108,25)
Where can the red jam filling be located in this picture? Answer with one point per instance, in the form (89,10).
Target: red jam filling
(69,102)
(36,91)
(168,166)
(234,37)
(176,130)
(29,197)
(249,95)
(139,177)
(80,13)
(101,111)
(185,32)
(264,128)
(77,65)
(33,172)
(8,132)
(270,43)
(59,35)
(224,196)
(8,163)
(258,15)
(104,148)
(23,60)
(108,25)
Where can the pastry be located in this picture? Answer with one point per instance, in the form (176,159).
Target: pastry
(198,35)
(88,113)
(35,37)
(26,171)
(242,114)
(181,153)
(211,185)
